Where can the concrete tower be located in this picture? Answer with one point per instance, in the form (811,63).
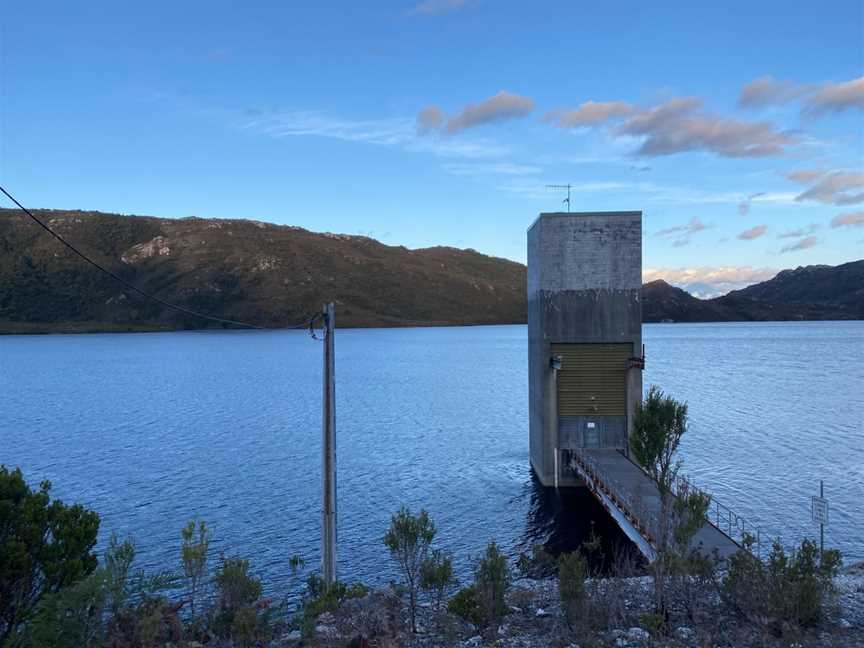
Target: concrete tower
(584,334)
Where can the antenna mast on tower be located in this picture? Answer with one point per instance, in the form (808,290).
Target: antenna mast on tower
(567,187)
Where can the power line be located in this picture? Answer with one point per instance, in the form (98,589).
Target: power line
(309,321)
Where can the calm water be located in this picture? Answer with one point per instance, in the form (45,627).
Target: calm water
(151,429)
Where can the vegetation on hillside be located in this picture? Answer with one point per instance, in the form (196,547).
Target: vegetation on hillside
(273,276)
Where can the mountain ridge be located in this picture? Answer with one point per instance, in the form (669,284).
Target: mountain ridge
(274,275)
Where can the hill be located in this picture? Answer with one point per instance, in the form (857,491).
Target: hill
(267,274)
(273,275)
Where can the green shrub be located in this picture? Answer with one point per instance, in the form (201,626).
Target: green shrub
(538,564)
(464,605)
(436,575)
(237,591)
(654,623)
(491,582)
(786,590)
(45,546)
(571,586)
(318,599)
(408,539)
(193,554)
(68,619)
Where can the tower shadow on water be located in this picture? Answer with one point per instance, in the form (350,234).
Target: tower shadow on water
(562,520)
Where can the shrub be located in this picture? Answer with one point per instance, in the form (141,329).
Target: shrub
(539,564)
(654,623)
(436,575)
(193,553)
(464,605)
(319,599)
(68,619)
(237,592)
(44,547)
(571,586)
(491,581)
(408,540)
(786,590)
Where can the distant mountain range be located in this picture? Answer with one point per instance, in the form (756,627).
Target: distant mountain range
(274,275)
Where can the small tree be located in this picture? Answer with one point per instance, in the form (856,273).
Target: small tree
(45,546)
(658,426)
(238,590)
(571,585)
(193,552)
(408,540)
(491,582)
(436,575)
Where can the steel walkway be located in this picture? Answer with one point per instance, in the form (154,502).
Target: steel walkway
(632,498)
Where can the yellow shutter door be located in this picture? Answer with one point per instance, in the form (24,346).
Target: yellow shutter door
(592,380)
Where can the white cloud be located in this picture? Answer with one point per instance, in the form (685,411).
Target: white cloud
(744,205)
(767,90)
(589,113)
(709,281)
(804,244)
(753,233)
(430,119)
(830,187)
(677,126)
(849,219)
(837,97)
(695,225)
(800,232)
(397,132)
(500,107)
(816,98)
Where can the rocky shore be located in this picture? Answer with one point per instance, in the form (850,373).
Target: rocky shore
(535,619)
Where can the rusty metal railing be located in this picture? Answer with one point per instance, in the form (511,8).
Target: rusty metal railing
(632,504)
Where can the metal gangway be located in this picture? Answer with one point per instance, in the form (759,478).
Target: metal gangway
(632,498)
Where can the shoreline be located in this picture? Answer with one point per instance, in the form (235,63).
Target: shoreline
(84,329)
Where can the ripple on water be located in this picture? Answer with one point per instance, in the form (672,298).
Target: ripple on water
(151,430)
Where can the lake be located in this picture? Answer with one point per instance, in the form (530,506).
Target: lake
(152,429)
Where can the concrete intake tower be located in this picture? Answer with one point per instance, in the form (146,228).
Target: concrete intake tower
(584,335)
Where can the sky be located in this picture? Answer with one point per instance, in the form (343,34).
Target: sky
(735,127)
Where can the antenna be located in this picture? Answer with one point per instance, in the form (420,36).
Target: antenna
(567,187)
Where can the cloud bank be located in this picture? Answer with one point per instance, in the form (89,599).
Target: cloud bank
(830,187)
(677,126)
(709,281)
(816,98)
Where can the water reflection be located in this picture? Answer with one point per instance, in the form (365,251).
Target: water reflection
(563,519)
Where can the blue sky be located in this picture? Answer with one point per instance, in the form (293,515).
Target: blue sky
(735,127)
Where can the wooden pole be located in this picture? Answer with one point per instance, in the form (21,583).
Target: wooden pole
(328,448)
(821,524)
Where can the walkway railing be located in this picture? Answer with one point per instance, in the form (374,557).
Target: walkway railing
(632,504)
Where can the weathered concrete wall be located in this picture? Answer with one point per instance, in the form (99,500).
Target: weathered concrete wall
(584,285)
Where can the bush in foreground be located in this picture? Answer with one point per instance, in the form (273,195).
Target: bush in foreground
(794,589)
(45,546)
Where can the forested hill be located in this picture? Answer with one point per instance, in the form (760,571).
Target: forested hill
(270,275)
(273,275)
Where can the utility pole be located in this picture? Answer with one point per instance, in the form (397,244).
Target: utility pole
(567,187)
(822,524)
(328,450)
